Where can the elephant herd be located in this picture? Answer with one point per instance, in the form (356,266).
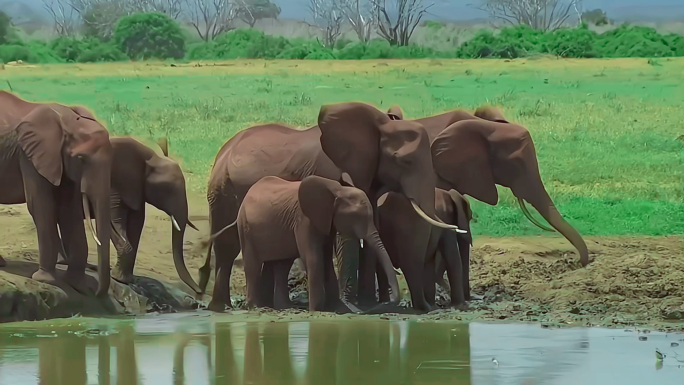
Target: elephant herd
(366,190)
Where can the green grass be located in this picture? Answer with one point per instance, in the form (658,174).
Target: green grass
(606,131)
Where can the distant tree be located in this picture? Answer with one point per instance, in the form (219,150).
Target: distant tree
(545,15)
(100,16)
(64,16)
(328,17)
(596,17)
(359,13)
(251,11)
(5,27)
(397,19)
(211,18)
(149,35)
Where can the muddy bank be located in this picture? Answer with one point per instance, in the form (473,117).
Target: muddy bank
(631,281)
(23,299)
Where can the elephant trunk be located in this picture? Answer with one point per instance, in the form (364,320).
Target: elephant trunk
(536,195)
(96,187)
(177,234)
(374,242)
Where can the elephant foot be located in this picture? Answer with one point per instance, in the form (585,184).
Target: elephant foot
(44,276)
(459,306)
(79,282)
(121,276)
(340,307)
(3,263)
(216,306)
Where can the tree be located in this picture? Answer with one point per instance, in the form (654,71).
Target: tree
(149,35)
(327,16)
(211,18)
(359,13)
(545,15)
(596,17)
(64,16)
(100,16)
(397,19)
(5,27)
(250,11)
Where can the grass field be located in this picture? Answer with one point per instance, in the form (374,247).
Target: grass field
(609,133)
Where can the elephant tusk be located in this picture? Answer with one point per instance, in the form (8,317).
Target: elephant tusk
(192,225)
(434,222)
(175,224)
(89,220)
(361,241)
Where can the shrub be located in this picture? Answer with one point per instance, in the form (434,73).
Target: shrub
(149,35)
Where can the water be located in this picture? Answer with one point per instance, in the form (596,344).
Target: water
(198,349)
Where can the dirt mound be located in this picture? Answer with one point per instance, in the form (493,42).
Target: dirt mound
(629,281)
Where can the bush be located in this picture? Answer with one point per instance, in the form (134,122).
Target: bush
(149,35)
(154,35)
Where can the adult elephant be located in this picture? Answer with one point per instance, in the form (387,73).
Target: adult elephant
(378,155)
(55,160)
(140,176)
(473,153)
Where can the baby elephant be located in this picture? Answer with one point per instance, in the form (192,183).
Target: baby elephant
(281,220)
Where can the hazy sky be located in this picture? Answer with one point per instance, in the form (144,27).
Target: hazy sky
(460,9)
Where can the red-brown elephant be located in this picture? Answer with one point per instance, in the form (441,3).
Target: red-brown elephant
(377,154)
(58,162)
(281,220)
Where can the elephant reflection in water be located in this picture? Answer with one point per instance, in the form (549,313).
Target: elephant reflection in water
(184,339)
(62,360)
(369,353)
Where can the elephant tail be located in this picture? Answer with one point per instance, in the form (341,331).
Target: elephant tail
(529,216)
(206,268)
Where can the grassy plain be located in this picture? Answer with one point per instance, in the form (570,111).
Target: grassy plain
(609,133)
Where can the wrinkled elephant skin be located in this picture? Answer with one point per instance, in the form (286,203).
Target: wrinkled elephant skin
(58,160)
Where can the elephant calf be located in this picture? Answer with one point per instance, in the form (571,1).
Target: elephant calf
(397,220)
(281,220)
(140,176)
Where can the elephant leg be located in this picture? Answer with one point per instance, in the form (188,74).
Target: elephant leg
(252,266)
(222,212)
(311,248)
(440,269)
(429,289)
(332,291)
(40,200)
(135,221)
(367,288)
(464,252)
(119,214)
(73,240)
(281,271)
(347,262)
(451,257)
(267,285)
(383,284)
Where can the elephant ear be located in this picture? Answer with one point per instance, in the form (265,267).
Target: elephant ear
(350,137)
(317,200)
(41,137)
(492,114)
(461,156)
(129,171)
(395,113)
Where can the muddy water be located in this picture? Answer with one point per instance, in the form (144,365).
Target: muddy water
(198,349)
